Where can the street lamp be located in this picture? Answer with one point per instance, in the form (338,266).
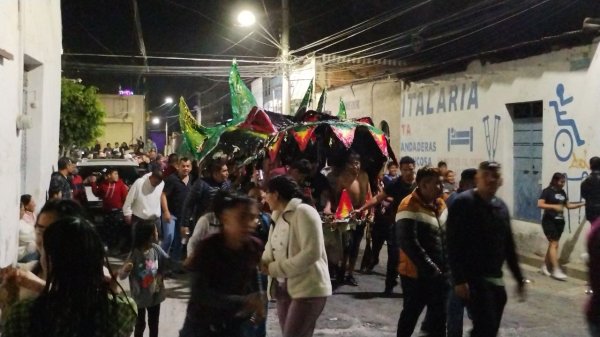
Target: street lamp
(246,18)
(155,121)
(168,100)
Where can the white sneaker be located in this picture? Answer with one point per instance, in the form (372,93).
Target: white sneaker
(559,275)
(544,270)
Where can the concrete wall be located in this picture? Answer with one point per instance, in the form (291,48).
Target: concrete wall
(125,111)
(457,118)
(31,32)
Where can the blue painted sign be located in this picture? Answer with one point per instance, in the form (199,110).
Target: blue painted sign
(563,142)
(491,136)
(456,137)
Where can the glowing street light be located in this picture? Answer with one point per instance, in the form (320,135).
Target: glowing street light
(246,18)
(168,100)
(155,120)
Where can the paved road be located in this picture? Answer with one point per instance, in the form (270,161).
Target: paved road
(553,308)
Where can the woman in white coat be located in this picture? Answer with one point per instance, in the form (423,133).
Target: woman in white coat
(295,259)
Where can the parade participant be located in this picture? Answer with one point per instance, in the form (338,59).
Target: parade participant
(30,277)
(143,198)
(592,310)
(385,218)
(553,201)
(28,209)
(393,173)
(199,198)
(172,162)
(420,226)
(113,192)
(456,306)
(295,259)
(154,163)
(225,290)
(352,179)
(77,185)
(480,239)
(60,180)
(443,167)
(145,266)
(27,249)
(176,190)
(449,183)
(76,300)
(590,191)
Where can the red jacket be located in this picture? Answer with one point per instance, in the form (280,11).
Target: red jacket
(112,194)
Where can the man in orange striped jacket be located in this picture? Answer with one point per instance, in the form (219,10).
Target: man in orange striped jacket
(420,231)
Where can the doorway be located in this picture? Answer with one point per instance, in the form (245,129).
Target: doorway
(527,158)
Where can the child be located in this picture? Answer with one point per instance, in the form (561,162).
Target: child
(145,267)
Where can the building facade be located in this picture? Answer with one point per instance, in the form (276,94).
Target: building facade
(30,69)
(536,115)
(125,119)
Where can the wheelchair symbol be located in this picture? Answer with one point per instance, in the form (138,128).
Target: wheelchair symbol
(563,142)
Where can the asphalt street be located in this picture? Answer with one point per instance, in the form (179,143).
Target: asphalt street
(553,308)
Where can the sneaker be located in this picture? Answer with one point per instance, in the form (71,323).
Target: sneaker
(544,270)
(559,275)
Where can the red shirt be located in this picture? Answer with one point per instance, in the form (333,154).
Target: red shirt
(112,194)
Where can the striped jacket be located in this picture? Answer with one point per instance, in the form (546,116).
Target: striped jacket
(420,234)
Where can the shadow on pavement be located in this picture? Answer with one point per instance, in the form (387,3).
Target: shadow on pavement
(367,295)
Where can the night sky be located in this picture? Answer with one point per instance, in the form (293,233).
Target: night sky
(206,28)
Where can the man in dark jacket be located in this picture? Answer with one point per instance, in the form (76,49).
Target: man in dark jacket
(199,200)
(480,239)
(61,180)
(420,223)
(590,191)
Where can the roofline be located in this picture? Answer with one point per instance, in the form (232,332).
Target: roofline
(505,54)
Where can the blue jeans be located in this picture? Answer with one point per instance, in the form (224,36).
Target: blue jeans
(171,239)
(456,308)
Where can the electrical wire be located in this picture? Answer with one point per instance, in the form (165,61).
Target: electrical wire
(362,27)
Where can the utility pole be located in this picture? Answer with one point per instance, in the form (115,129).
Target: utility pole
(285,58)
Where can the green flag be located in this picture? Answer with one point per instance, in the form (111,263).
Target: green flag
(322,101)
(342,110)
(242,100)
(306,100)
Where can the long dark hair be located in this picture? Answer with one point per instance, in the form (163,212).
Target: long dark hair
(556,177)
(75,300)
(286,187)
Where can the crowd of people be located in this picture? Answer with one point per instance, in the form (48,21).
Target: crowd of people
(279,233)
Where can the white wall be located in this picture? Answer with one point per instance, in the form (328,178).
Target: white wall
(431,108)
(32,29)
(127,111)
(379,100)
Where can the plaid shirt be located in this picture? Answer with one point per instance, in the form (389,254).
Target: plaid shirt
(19,318)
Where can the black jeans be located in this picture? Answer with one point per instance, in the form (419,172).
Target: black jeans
(385,233)
(486,304)
(140,324)
(418,293)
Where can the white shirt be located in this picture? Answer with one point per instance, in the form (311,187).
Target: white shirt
(143,199)
(207,225)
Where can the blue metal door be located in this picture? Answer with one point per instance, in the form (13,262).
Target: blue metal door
(527,170)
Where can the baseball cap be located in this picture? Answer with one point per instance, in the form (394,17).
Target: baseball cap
(490,165)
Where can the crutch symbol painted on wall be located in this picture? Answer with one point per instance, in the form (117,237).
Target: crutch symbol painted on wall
(491,139)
